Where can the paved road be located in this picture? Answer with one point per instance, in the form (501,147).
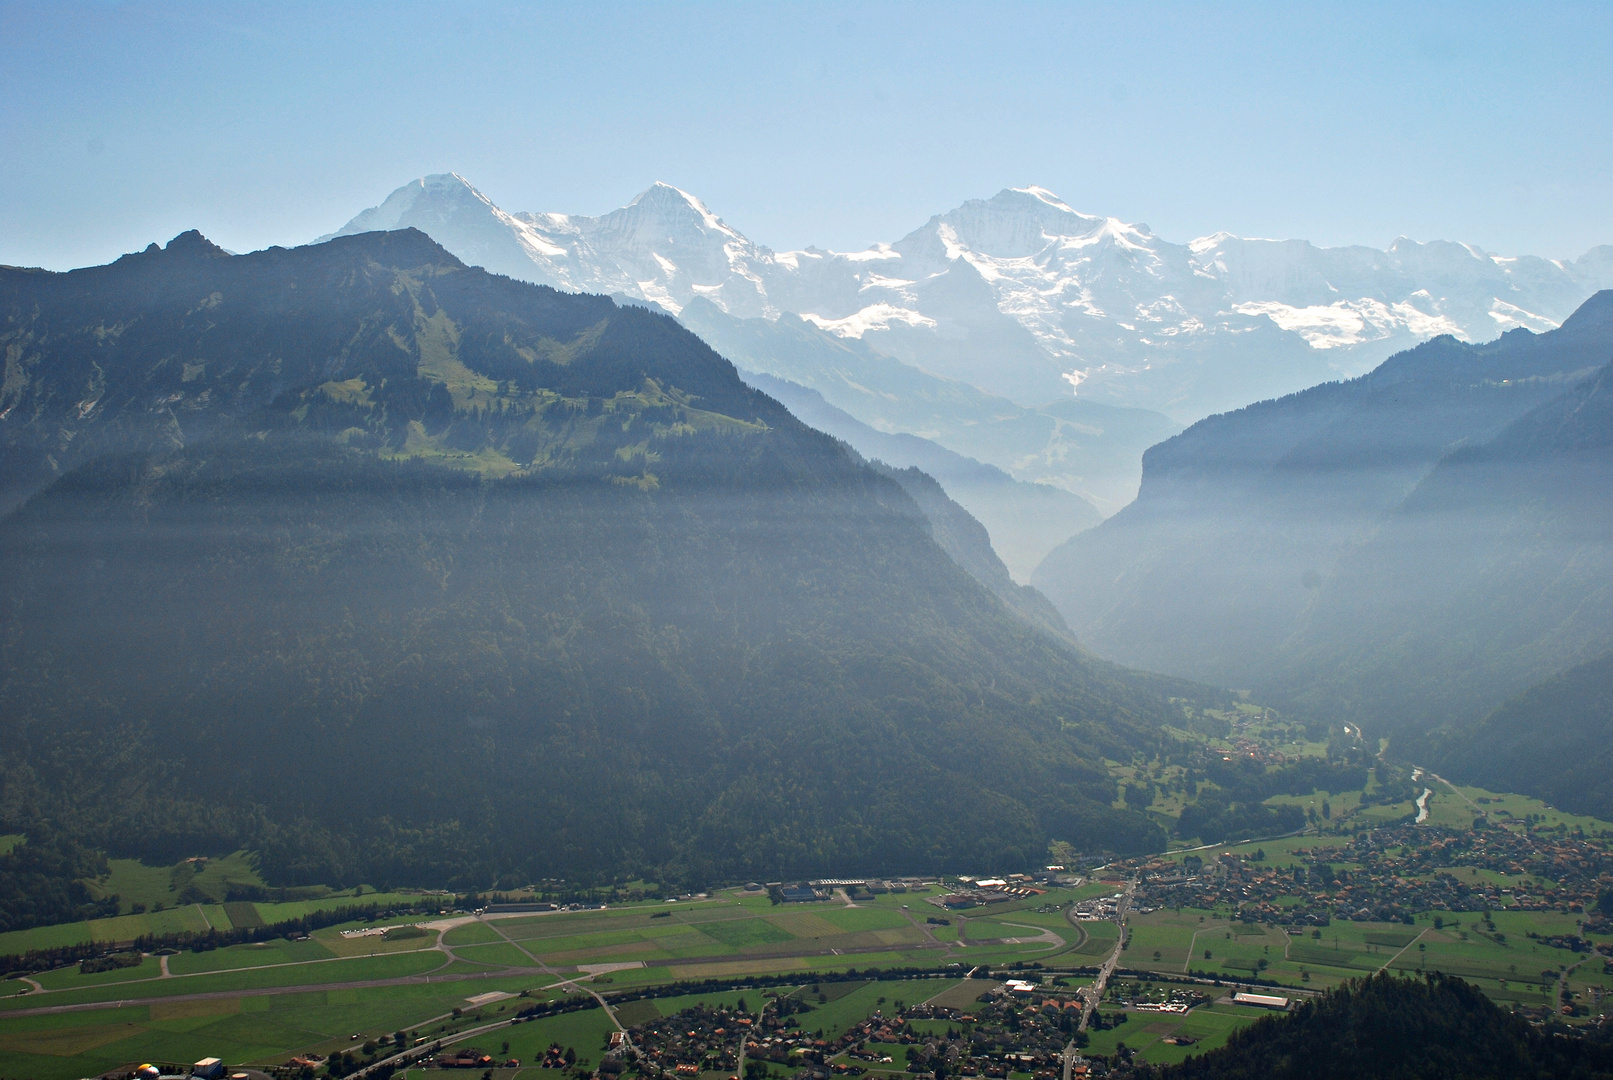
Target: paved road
(739,1058)
(404,1057)
(927,930)
(1093,994)
(1072,1058)
(573,983)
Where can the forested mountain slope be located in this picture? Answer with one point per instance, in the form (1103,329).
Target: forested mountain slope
(1495,573)
(966,540)
(1244,518)
(399,571)
(1554,740)
(1386,1028)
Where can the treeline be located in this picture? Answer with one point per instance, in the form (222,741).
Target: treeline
(1234,808)
(204,940)
(1246,780)
(1216,817)
(42,881)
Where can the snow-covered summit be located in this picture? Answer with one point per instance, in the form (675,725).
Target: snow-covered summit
(1024,296)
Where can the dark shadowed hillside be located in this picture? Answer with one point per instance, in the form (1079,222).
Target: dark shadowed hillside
(966,540)
(1554,740)
(1436,1028)
(399,571)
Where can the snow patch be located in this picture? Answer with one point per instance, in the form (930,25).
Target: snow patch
(1350,322)
(1511,316)
(878,251)
(872,317)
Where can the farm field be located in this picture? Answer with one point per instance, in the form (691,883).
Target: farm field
(186,918)
(1508,970)
(253,1003)
(1208,1025)
(259,1003)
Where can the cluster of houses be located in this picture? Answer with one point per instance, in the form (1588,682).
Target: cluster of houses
(1097,909)
(469,1057)
(1391,873)
(1005,1033)
(689,1042)
(1017,1029)
(1243,747)
(980,891)
(802,892)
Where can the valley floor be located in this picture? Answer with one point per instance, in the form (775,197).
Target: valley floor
(1408,874)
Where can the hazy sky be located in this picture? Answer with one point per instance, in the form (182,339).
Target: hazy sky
(809,123)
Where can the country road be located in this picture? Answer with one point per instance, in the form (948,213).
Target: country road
(264,991)
(1093,994)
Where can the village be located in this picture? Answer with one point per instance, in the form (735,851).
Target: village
(1007,1032)
(1389,874)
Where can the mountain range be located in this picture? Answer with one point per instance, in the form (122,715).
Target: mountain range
(1026,298)
(1052,344)
(395,570)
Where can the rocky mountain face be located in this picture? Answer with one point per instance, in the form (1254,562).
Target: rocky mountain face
(1091,450)
(395,570)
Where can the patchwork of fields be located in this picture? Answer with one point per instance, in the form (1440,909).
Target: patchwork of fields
(258,1003)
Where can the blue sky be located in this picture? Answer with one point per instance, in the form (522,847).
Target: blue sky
(839,125)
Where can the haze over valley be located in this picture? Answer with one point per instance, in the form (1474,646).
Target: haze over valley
(868,606)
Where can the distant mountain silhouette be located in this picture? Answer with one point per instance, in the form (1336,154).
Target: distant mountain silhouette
(1025,521)
(1405,550)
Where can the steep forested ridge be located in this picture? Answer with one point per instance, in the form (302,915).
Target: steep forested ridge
(966,540)
(1387,1028)
(399,571)
(1496,571)
(1554,740)
(1025,520)
(1255,554)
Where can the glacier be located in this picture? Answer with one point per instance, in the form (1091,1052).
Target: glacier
(1029,299)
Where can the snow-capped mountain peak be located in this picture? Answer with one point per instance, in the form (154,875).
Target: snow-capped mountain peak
(672,204)
(1025,296)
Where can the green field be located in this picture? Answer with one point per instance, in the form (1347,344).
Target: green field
(279,951)
(193,918)
(263,999)
(239,1029)
(1347,950)
(267,1001)
(1210,1025)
